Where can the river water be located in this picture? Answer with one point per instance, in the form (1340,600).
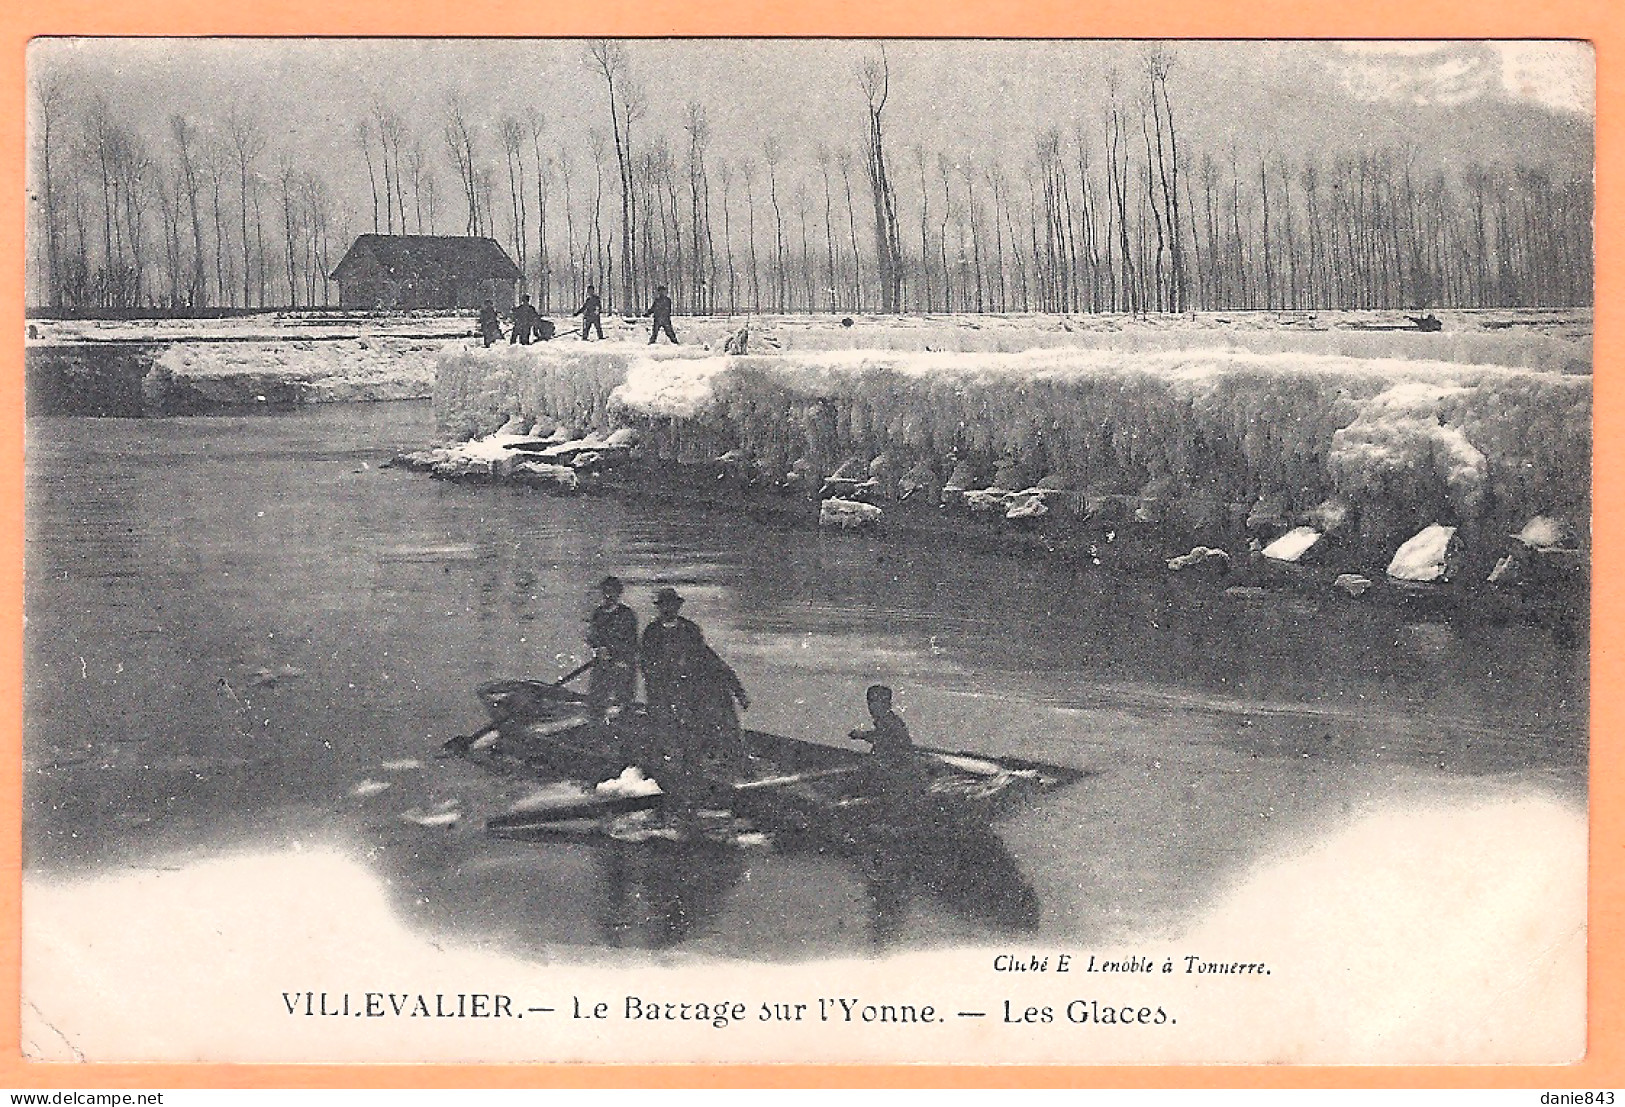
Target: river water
(232,623)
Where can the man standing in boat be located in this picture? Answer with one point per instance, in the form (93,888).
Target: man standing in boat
(612,632)
(691,690)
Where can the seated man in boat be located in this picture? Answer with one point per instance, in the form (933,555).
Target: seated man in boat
(891,772)
(690,689)
(889,738)
(612,632)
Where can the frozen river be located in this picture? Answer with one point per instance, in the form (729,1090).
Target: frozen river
(233,623)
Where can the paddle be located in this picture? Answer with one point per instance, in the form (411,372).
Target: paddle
(461,743)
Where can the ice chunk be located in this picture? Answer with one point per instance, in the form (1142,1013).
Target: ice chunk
(847,514)
(1198,556)
(443,814)
(988,501)
(405,764)
(1544,533)
(1352,583)
(631,782)
(369,788)
(1425,556)
(1328,516)
(1505,571)
(1027,504)
(547,796)
(1292,545)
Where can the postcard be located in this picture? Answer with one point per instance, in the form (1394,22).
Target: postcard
(733,550)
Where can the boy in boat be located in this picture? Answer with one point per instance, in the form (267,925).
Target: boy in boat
(889,738)
(612,632)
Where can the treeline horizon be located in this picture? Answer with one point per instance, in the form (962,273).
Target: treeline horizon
(1120,213)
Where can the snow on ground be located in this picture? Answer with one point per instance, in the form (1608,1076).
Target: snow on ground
(1417,435)
(1447,930)
(374,368)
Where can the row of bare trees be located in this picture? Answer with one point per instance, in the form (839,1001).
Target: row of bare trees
(195,220)
(1113,214)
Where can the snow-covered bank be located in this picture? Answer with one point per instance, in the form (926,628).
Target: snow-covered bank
(130,378)
(371,368)
(1404,442)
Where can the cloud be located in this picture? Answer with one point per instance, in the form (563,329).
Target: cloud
(1559,76)
(1415,73)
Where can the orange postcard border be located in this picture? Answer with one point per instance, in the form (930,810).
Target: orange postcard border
(1602,22)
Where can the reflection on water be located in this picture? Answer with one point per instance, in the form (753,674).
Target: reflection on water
(656,893)
(173,564)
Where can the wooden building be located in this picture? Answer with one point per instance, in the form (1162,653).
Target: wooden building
(425,271)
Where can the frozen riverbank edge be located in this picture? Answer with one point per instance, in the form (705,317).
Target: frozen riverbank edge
(1245,454)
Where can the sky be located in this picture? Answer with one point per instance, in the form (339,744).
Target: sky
(1450,103)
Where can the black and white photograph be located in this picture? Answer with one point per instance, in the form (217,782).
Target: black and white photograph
(970,551)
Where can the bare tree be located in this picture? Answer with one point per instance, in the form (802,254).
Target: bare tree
(460,144)
(874,78)
(513,135)
(698,129)
(363,137)
(51,97)
(544,173)
(185,137)
(626,106)
(248,143)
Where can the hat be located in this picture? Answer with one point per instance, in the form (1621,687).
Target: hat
(612,585)
(668,597)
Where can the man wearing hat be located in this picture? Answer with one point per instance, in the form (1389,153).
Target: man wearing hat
(691,690)
(612,632)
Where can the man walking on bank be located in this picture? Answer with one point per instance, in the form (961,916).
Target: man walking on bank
(589,312)
(661,310)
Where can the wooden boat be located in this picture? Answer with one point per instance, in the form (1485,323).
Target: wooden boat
(777,783)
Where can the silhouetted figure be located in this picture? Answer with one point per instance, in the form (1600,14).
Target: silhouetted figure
(525,320)
(612,632)
(590,314)
(691,691)
(661,310)
(490,327)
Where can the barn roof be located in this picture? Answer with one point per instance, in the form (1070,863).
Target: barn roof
(409,256)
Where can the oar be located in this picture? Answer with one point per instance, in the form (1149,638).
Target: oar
(461,743)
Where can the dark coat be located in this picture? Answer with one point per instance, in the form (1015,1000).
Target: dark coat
(590,307)
(660,309)
(613,628)
(688,685)
(612,632)
(888,738)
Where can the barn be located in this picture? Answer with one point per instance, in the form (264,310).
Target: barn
(425,271)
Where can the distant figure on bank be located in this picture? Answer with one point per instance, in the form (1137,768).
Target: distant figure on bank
(525,320)
(490,327)
(612,632)
(888,738)
(661,310)
(589,312)
(690,689)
